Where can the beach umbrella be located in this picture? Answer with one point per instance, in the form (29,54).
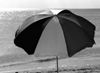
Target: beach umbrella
(61,35)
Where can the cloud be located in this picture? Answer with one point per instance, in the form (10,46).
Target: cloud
(49,4)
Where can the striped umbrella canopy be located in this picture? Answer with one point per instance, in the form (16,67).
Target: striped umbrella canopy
(63,34)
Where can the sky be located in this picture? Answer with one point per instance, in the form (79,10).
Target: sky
(41,4)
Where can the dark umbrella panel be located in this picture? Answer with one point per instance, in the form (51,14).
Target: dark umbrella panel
(61,35)
(28,38)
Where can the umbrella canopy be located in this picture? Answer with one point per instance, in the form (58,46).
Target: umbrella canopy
(63,34)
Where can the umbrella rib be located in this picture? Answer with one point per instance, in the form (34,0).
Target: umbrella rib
(70,19)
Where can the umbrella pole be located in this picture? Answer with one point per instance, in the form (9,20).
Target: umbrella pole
(57,64)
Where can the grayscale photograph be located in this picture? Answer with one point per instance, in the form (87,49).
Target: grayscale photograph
(49,36)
